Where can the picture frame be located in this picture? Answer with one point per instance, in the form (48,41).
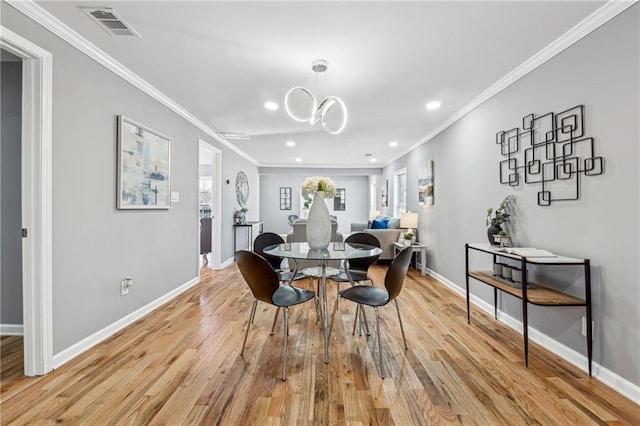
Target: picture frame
(425,185)
(144,167)
(340,200)
(285,198)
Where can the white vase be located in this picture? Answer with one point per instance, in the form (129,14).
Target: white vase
(318,223)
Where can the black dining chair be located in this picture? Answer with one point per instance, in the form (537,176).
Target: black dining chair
(265,286)
(265,240)
(358,268)
(376,297)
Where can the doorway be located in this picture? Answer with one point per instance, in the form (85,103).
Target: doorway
(36,200)
(11,318)
(209,196)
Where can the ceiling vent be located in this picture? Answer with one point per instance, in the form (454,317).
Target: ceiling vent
(235,136)
(110,21)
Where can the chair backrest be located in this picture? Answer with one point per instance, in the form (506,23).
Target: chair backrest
(292,218)
(259,275)
(265,240)
(363,264)
(394,278)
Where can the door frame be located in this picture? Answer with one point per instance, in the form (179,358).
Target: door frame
(37,160)
(217,211)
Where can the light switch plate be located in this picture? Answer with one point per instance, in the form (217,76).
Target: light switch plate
(175,197)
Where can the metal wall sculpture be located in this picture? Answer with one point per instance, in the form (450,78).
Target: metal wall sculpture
(555,153)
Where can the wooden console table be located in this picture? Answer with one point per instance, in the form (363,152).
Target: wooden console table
(532,292)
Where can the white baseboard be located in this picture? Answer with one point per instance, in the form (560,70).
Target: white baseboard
(606,376)
(11,330)
(227,262)
(76,349)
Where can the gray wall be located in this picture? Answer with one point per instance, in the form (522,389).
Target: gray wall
(10,204)
(600,71)
(94,245)
(275,220)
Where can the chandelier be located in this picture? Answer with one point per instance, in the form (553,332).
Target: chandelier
(318,112)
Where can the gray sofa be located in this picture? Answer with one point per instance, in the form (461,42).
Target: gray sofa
(386,236)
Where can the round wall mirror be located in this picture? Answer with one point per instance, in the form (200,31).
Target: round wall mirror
(242,189)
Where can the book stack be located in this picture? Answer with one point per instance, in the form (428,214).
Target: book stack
(527,252)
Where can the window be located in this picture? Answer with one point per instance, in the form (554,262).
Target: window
(399,192)
(372,195)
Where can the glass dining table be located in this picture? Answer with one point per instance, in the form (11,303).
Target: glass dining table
(335,251)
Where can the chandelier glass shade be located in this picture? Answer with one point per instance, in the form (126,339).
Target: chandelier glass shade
(318,111)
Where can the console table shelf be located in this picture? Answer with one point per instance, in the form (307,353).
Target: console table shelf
(537,294)
(531,292)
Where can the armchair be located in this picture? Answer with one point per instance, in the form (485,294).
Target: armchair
(299,235)
(299,232)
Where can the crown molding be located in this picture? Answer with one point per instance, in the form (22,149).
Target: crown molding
(592,22)
(53,24)
(580,30)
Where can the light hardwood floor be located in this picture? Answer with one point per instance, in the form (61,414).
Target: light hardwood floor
(181,365)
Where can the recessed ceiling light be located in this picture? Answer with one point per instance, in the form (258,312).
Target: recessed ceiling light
(291,143)
(393,143)
(271,105)
(434,105)
(298,160)
(373,160)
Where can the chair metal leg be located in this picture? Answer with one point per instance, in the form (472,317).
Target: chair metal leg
(363,314)
(401,327)
(317,301)
(284,350)
(317,298)
(379,341)
(275,318)
(363,320)
(355,320)
(253,316)
(333,316)
(246,333)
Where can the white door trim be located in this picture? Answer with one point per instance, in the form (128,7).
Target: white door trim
(37,251)
(217,158)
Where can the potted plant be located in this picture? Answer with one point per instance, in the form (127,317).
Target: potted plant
(241,216)
(497,218)
(409,238)
(503,239)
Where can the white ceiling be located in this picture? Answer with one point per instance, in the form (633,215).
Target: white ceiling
(222,60)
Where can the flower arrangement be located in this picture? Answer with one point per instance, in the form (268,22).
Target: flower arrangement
(313,184)
(500,216)
(241,215)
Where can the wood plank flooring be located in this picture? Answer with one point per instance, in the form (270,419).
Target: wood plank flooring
(181,365)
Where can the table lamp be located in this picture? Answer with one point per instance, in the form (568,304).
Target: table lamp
(409,220)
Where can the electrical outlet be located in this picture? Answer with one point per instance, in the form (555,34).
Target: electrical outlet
(584,326)
(125,285)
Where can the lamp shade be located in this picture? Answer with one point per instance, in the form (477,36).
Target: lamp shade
(373,214)
(408,220)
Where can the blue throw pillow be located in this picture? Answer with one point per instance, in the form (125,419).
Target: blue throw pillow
(379,224)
